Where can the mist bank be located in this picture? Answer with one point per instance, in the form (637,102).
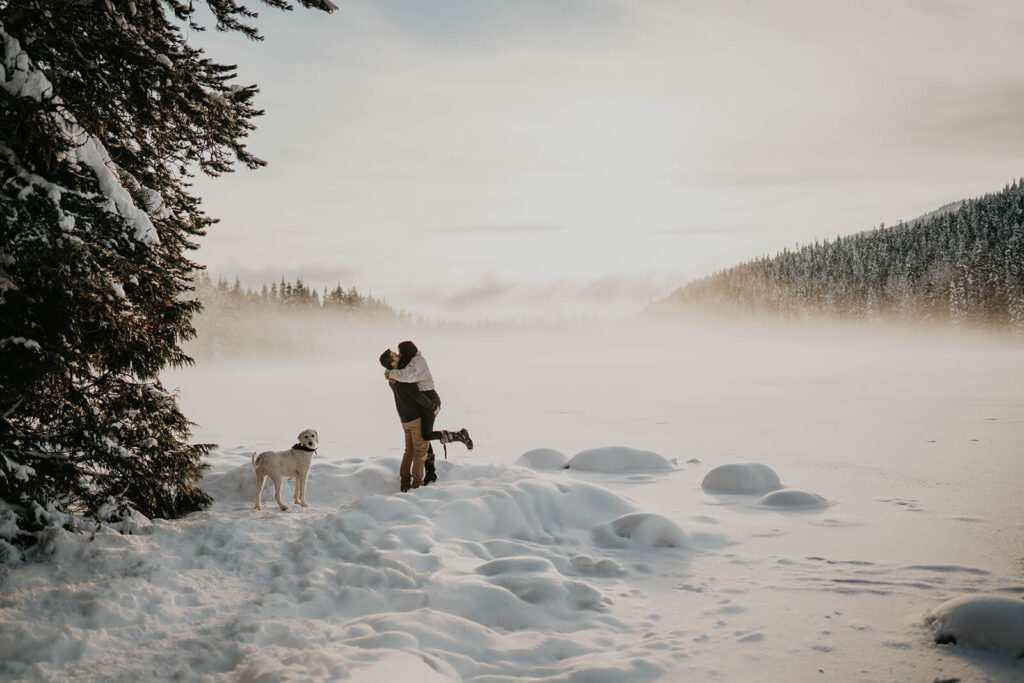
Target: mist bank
(280,336)
(226,332)
(294,316)
(285,317)
(960,267)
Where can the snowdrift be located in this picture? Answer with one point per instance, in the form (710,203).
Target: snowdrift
(488,575)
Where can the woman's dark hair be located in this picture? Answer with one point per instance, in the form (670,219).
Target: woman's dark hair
(385,358)
(406,350)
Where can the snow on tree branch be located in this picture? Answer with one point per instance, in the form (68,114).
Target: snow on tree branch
(21,78)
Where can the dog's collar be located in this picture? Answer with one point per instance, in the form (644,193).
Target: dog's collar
(300,447)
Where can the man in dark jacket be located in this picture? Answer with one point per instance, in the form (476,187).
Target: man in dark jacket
(417,467)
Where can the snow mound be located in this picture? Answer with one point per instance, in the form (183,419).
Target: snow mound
(235,484)
(641,529)
(536,580)
(751,477)
(991,621)
(793,498)
(605,566)
(544,459)
(618,459)
(328,483)
(459,576)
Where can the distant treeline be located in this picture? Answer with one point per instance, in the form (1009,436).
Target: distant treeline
(962,266)
(287,295)
(267,320)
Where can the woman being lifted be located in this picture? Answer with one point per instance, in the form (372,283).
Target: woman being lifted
(412,367)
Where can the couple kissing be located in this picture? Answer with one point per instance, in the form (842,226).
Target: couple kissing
(418,404)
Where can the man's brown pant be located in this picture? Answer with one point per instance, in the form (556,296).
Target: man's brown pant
(411,471)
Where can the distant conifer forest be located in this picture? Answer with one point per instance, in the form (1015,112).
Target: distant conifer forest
(236,318)
(286,295)
(961,266)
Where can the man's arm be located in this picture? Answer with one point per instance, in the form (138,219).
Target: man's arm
(413,392)
(425,401)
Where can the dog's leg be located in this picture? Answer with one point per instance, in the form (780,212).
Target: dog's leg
(300,486)
(261,478)
(277,490)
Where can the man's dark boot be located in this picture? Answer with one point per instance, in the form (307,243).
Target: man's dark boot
(429,471)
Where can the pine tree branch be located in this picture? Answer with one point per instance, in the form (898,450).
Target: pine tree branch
(10,411)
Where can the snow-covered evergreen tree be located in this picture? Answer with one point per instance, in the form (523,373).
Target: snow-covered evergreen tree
(1014,278)
(105,109)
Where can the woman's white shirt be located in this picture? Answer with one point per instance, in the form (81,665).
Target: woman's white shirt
(416,371)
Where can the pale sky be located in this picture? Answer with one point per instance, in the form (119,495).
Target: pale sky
(495,158)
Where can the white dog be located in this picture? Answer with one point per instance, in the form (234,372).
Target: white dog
(293,462)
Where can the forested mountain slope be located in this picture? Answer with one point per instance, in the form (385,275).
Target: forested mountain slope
(964,265)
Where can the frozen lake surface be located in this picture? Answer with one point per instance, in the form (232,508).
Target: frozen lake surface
(898,456)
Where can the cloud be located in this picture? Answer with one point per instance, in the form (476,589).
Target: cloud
(500,298)
(499,229)
(553,152)
(488,294)
(487,21)
(695,230)
(971,118)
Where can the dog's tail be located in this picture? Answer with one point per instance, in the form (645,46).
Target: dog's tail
(254,460)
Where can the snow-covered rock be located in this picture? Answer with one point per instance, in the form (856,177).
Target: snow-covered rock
(544,459)
(641,529)
(751,477)
(991,621)
(618,459)
(793,498)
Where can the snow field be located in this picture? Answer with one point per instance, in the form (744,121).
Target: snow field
(515,568)
(496,575)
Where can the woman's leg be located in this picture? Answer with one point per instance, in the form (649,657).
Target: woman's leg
(428,418)
(443,436)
